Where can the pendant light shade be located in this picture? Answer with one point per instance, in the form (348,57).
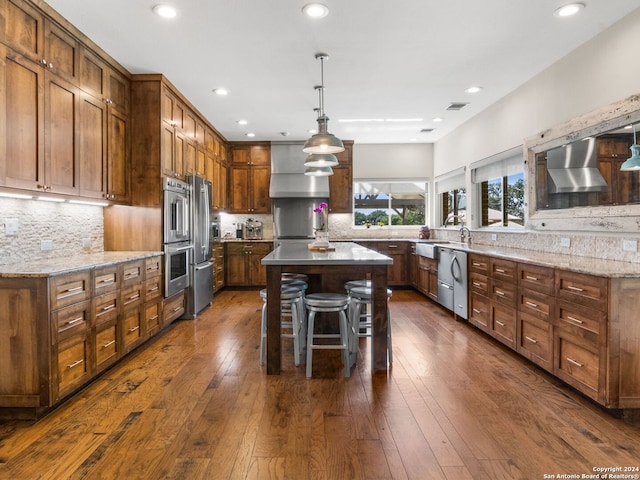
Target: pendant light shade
(321,160)
(633,162)
(318,171)
(323,141)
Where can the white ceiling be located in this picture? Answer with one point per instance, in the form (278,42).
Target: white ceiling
(387,59)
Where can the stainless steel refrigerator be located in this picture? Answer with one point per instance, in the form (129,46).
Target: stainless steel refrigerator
(200,293)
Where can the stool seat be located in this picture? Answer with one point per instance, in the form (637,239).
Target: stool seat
(287,292)
(361,321)
(356,283)
(293,282)
(365,292)
(326,303)
(294,276)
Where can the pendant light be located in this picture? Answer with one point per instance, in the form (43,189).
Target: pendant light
(318,171)
(633,162)
(320,159)
(323,141)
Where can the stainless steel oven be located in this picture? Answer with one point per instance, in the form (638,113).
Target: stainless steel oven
(177,258)
(176,211)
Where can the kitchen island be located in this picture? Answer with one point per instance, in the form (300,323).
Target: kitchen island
(349,261)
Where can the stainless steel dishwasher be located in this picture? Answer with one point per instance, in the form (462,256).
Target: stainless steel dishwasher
(452,280)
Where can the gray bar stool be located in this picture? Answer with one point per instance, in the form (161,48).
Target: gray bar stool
(361,321)
(292,307)
(294,276)
(333,303)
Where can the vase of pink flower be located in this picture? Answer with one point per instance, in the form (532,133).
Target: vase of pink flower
(322,231)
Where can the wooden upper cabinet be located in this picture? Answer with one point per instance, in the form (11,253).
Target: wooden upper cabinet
(251,155)
(62,53)
(93,146)
(341,182)
(22,29)
(98,78)
(249,177)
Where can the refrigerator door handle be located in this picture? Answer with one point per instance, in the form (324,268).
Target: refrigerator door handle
(202,266)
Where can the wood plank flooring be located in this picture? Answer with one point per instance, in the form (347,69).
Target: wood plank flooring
(195,404)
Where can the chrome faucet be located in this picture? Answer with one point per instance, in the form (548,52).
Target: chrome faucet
(453,217)
(464,230)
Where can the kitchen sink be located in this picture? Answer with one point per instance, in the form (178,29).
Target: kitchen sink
(428,248)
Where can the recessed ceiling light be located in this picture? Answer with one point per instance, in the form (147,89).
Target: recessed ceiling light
(242,122)
(251,134)
(315,10)
(437,119)
(221,91)
(165,11)
(568,10)
(473,89)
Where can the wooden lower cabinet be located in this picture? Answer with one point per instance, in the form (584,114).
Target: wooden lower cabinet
(479,311)
(219,266)
(502,324)
(65,329)
(535,340)
(174,307)
(243,263)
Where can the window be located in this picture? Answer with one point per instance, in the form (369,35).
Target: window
(389,203)
(501,185)
(453,197)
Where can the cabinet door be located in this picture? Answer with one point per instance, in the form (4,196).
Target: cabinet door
(153,316)
(21,110)
(93,74)
(132,328)
(118,176)
(167,150)
(190,154)
(106,345)
(259,184)
(239,189)
(62,53)
(22,29)
(73,365)
(341,190)
(479,311)
(61,136)
(93,146)
(201,157)
(118,89)
(237,265)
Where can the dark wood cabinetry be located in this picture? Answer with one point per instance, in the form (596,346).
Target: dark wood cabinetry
(243,263)
(249,177)
(399,272)
(341,182)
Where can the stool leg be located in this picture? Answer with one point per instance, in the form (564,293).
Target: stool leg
(389,338)
(354,322)
(344,338)
(310,322)
(263,334)
(302,328)
(295,333)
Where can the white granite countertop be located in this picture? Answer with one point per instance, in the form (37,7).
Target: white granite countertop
(346,253)
(57,266)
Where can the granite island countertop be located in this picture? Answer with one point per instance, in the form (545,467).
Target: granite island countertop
(346,253)
(62,265)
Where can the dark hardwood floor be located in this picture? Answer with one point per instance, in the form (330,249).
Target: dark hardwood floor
(195,404)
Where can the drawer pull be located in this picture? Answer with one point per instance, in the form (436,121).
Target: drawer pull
(532,340)
(155,317)
(571,360)
(130,274)
(575,320)
(154,289)
(475,310)
(133,297)
(575,289)
(108,344)
(176,309)
(529,277)
(133,329)
(75,320)
(108,307)
(74,289)
(476,264)
(74,364)
(531,304)
(498,292)
(476,284)
(105,282)
(500,323)
(392,246)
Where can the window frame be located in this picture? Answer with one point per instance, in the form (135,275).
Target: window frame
(390,212)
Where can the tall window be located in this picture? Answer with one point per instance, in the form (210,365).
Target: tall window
(453,197)
(389,203)
(501,189)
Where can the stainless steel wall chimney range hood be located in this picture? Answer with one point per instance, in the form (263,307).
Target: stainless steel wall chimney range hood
(574,168)
(287,173)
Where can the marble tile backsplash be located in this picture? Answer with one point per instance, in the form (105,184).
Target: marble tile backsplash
(72,229)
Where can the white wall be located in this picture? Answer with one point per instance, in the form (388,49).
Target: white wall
(598,73)
(393,161)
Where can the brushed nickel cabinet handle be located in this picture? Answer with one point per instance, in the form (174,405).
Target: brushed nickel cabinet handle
(500,323)
(475,310)
(108,344)
(74,364)
(575,289)
(531,304)
(529,277)
(499,270)
(532,340)
(74,289)
(133,329)
(154,317)
(476,284)
(571,360)
(575,320)
(75,320)
(108,307)
(498,292)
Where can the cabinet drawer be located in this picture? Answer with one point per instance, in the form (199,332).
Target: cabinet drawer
(106,345)
(105,307)
(72,319)
(534,277)
(132,272)
(131,295)
(504,293)
(585,323)
(479,264)
(392,247)
(152,317)
(503,325)
(153,267)
(105,280)
(479,311)
(504,270)
(131,328)
(536,303)
(173,308)
(69,289)
(479,283)
(586,290)
(152,288)
(577,364)
(430,264)
(536,340)
(73,365)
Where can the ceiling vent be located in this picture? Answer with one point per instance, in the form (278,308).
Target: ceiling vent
(457,106)
(427,130)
